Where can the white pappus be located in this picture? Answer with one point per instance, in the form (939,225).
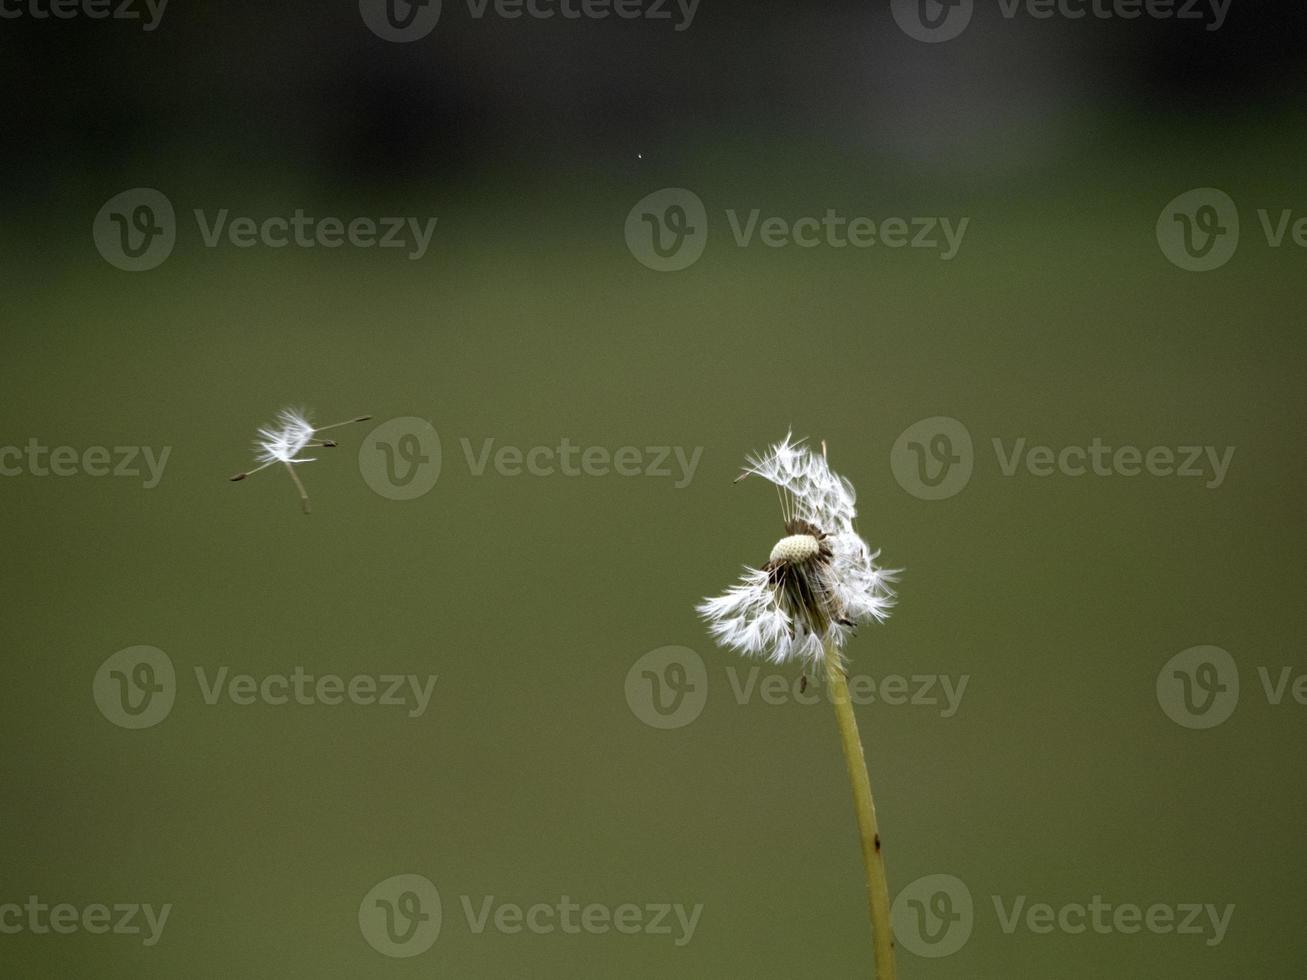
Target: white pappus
(820,581)
(282,442)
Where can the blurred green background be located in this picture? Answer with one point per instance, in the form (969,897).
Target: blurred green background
(530,777)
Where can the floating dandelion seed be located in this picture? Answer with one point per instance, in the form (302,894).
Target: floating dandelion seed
(285,440)
(820,581)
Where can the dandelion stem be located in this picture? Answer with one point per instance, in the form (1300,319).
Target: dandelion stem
(865,808)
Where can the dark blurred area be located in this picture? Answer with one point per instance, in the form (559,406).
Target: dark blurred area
(305,87)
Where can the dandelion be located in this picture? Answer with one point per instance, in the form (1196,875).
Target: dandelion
(820,582)
(283,442)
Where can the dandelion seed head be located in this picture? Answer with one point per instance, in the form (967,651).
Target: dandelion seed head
(820,581)
(795,549)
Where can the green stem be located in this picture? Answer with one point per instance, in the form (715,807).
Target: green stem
(865,808)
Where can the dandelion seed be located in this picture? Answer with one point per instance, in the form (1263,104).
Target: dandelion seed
(283,442)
